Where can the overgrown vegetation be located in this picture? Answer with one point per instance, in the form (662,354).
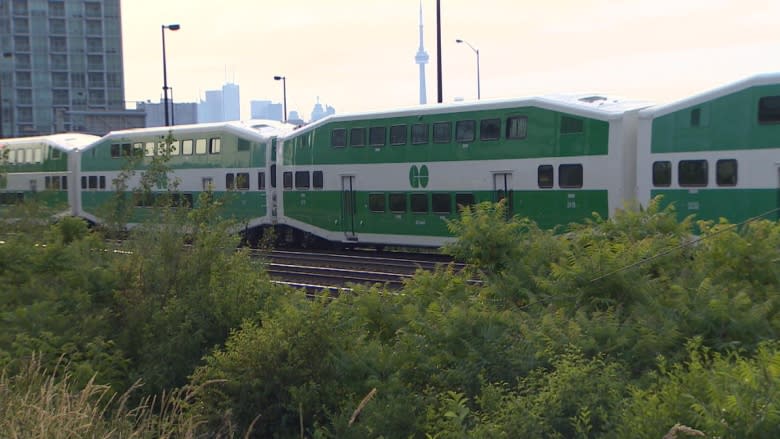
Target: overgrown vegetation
(619,328)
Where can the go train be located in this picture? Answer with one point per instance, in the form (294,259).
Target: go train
(394,177)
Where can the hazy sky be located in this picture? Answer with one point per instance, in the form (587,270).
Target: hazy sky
(358,55)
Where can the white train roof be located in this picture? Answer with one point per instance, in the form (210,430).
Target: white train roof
(585,105)
(65,141)
(697,99)
(257,128)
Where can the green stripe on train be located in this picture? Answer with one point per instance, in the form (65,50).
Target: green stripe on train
(237,205)
(726,123)
(543,139)
(323,209)
(736,205)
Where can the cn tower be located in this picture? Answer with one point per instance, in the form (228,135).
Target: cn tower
(422,59)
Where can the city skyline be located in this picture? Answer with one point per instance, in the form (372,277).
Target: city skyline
(660,52)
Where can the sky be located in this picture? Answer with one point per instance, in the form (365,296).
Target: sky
(358,55)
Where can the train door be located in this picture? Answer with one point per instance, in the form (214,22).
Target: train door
(777,203)
(502,189)
(348,207)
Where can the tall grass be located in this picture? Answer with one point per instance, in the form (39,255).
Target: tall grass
(39,403)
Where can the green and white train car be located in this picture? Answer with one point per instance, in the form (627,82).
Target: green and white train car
(717,154)
(230,159)
(393,178)
(41,169)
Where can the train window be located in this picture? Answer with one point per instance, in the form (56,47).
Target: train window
(662,173)
(442,132)
(489,129)
(149,149)
(93,181)
(398,135)
(208,183)
(463,200)
(377,136)
(47,182)
(692,173)
(115,152)
(64,185)
(338,137)
(37,155)
(186,147)
(174,148)
(127,150)
(28,156)
(55,154)
(138,149)
(441,203)
(357,137)
(102,182)
(726,172)
(215,145)
(230,181)
(317,180)
(242,145)
(261,181)
(397,202)
(517,127)
(419,133)
(419,203)
(545,176)
(571,125)
(287,180)
(55,183)
(273,176)
(301,179)
(242,181)
(769,109)
(464,131)
(200,146)
(83,182)
(696,117)
(376,202)
(570,176)
(12,156)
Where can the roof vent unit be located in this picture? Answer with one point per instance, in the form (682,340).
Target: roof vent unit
(593,99)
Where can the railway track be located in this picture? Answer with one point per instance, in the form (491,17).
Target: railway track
(335,272)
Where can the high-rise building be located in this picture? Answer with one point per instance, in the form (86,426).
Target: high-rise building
(422,59)
(220,105)
(266,110)
(61,68)
(318,112)
(231,102)
(182,113)
(210,108)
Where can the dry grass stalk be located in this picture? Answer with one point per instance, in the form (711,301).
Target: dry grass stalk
(679,428)
(38,403)
(362,404)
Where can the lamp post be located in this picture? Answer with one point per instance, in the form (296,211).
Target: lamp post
(477,52)
(2,115)
(165,71)
(284,94)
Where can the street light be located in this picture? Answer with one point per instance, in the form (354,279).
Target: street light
(5,55)
(477,52)
(165,71)
(284,93)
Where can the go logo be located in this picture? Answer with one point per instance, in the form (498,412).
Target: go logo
(418,177)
